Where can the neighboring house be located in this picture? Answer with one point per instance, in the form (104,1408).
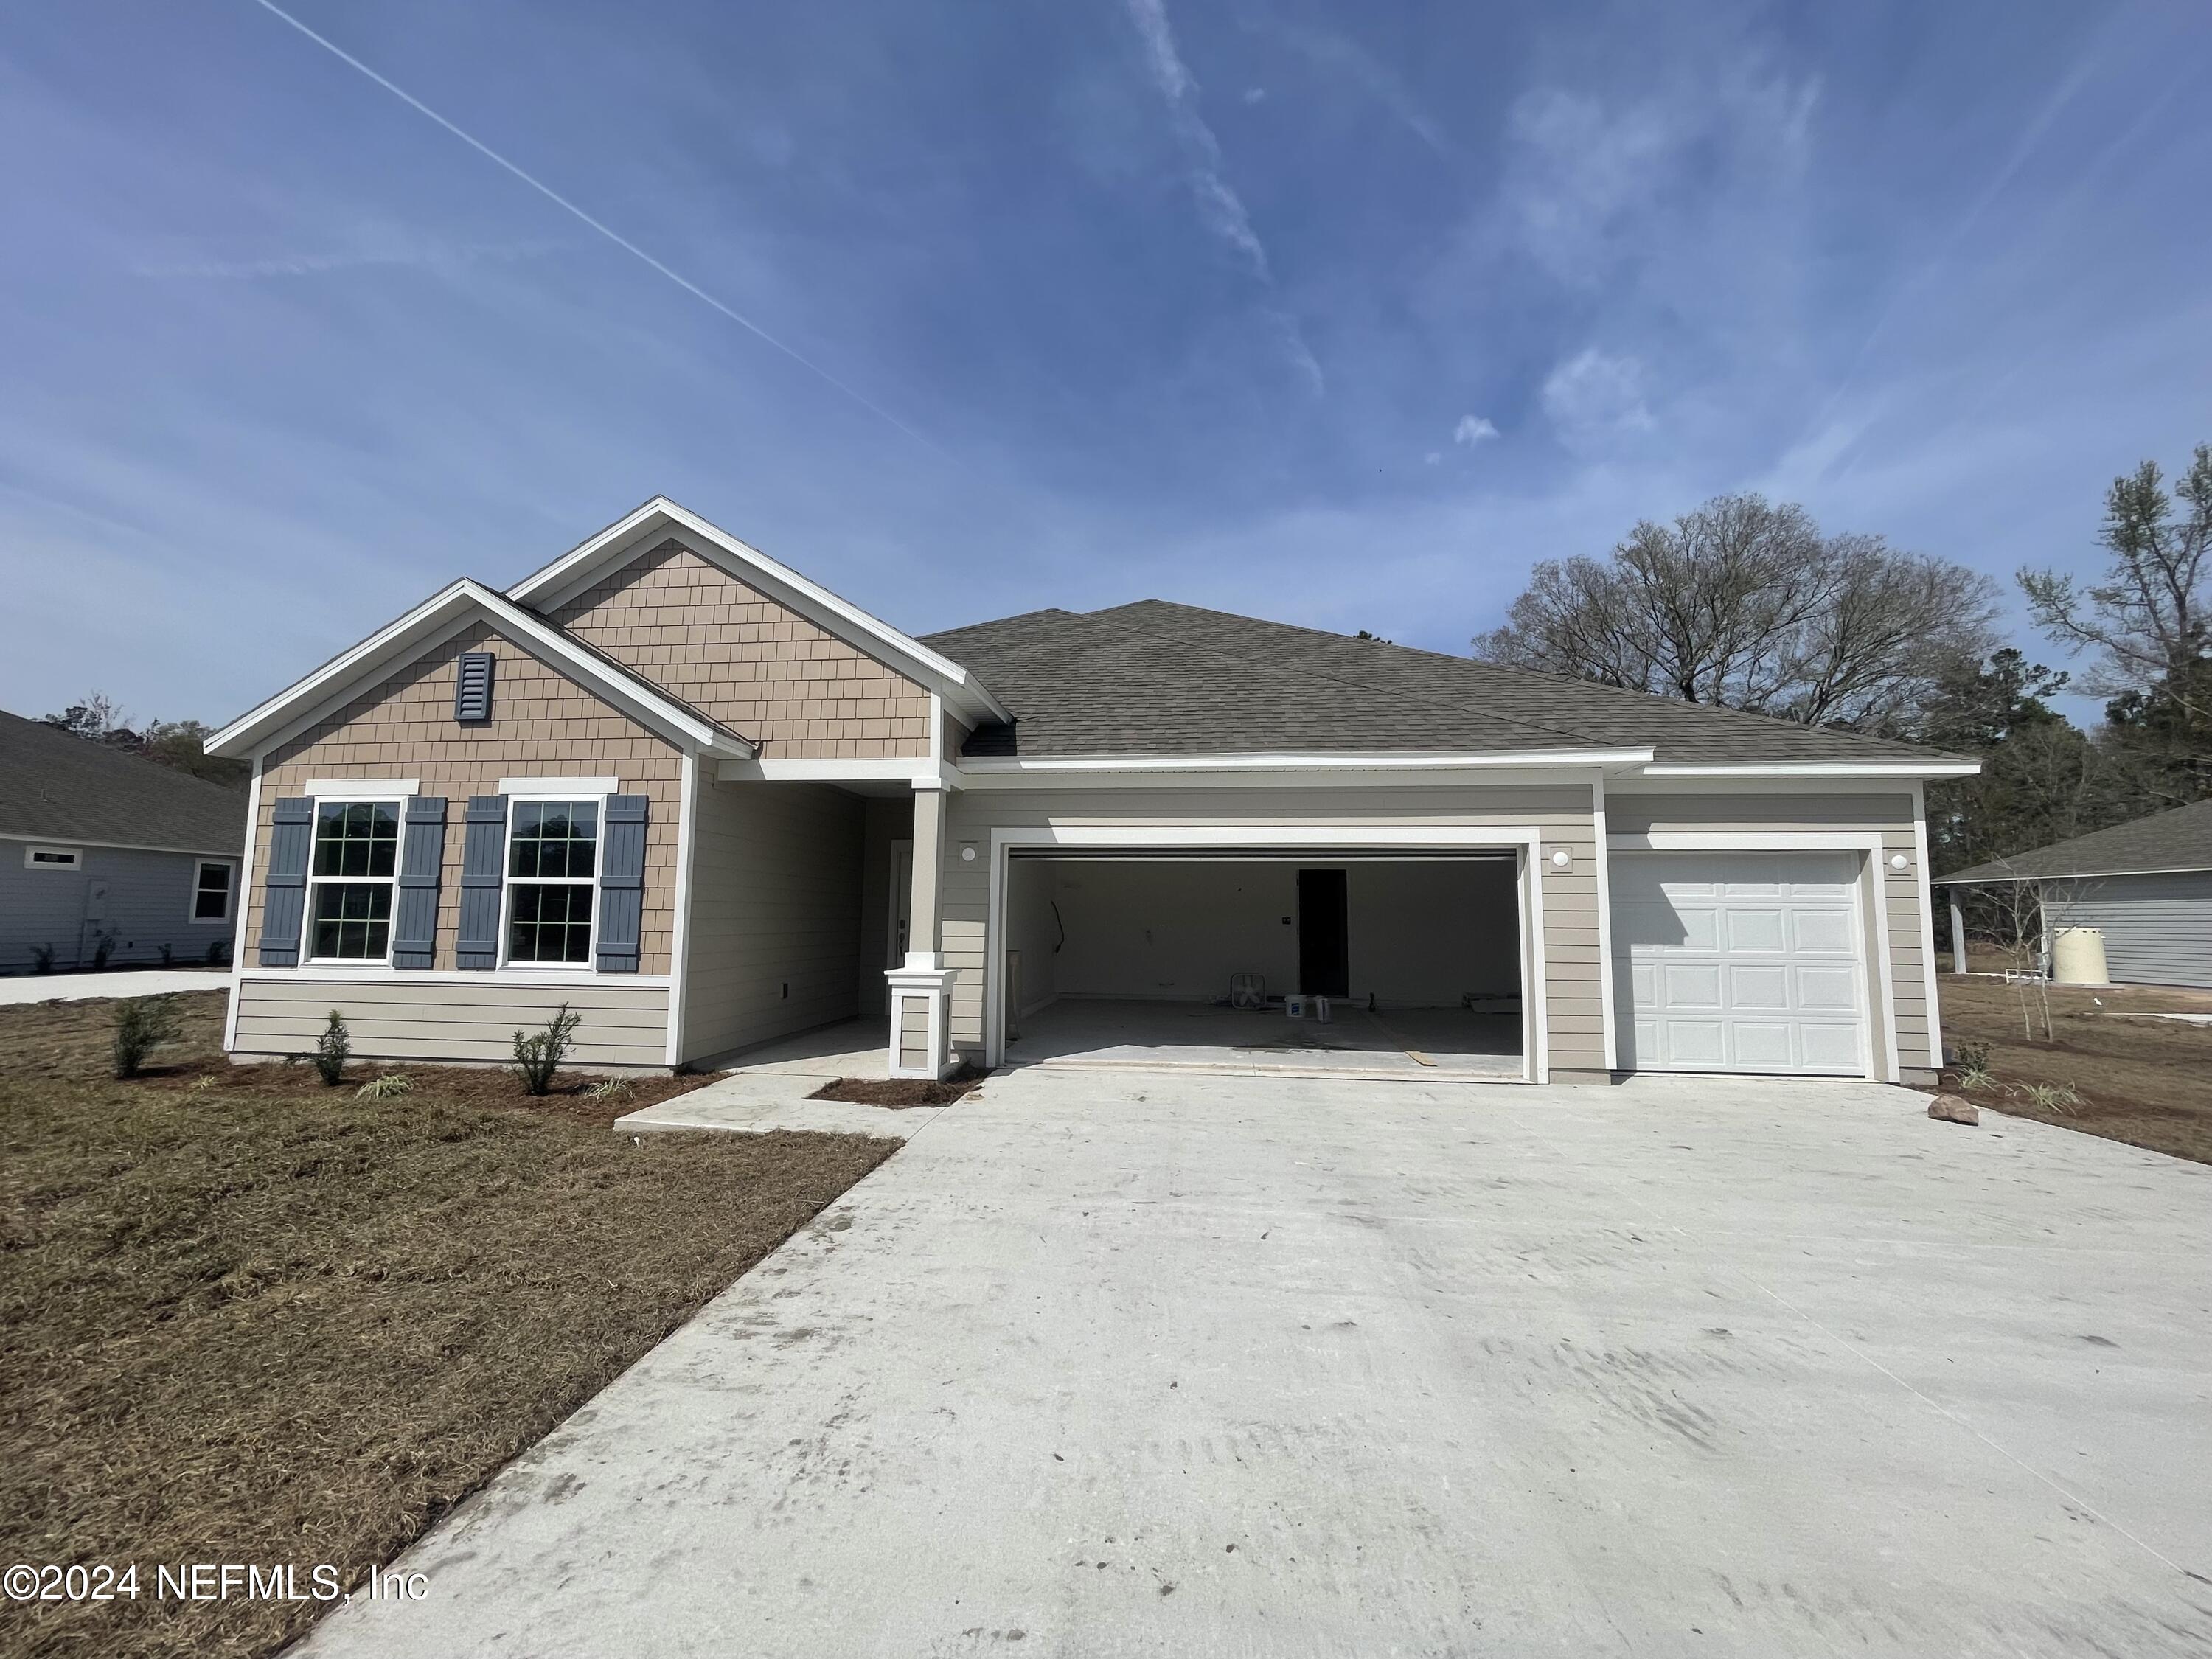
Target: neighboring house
(706,804)
(98,845)
(2146,885)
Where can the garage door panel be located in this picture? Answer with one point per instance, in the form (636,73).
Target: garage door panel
(1741,962)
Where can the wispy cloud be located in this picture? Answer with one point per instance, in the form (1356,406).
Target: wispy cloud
(1354,65)
(1593,400)
(1474,429)
(427,255)
(1220,207)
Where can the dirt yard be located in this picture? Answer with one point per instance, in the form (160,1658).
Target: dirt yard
(2142,1080)
(245,1318)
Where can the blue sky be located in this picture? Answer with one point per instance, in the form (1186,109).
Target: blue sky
(1338,315)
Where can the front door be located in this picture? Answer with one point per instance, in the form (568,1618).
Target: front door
(901,911)
(1324,954)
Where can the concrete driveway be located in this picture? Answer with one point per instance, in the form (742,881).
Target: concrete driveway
(1108,1364)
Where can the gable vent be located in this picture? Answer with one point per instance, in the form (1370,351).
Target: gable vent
(472,690)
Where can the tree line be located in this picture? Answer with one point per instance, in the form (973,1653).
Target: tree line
(1747,604)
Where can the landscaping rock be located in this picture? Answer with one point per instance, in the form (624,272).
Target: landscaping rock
(1951,1109)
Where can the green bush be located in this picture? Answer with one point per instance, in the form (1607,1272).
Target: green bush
(332,1049)
(141,1025)
(539,1055)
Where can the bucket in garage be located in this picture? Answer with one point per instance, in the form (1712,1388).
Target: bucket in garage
(2077,957)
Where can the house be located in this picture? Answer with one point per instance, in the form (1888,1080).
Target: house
(705,803)
(101,848)
(2146,885)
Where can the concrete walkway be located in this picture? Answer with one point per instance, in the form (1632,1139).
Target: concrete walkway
(121,983)
(766,1088)
(1110,1364)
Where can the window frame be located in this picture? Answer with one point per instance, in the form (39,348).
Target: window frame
(553,789)
(369,796)
(72,858)
(200,867)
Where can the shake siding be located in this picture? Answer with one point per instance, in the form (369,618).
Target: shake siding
(775,901)
(1889,815)
(542,723)
(736,654)
(621,1023)
(1563,814)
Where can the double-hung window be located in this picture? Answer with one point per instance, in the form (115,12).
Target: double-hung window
(552,864)
(356,852)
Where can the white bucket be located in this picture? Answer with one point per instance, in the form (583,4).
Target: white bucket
(1295,1007)
(2077,958)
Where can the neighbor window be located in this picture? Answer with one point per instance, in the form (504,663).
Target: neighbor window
(356,852)
(52,857)
(211,891)
(552,861)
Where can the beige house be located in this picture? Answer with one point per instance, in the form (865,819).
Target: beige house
(709,804)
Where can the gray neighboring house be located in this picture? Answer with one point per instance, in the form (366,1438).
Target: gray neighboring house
(2146,885)
(96,843)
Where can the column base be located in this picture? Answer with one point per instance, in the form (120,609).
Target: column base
(921,1006)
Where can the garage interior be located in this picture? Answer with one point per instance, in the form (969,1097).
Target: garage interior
(1118,957)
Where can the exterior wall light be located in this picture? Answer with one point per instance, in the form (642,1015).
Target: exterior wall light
(1897,860)
(1561,859)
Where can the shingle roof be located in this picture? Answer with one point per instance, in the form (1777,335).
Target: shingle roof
(2180,839)
(53,786)
(1156,678)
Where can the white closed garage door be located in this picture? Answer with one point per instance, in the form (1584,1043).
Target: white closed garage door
(1739,962)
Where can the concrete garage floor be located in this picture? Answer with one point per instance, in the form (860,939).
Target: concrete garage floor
(1107,1364)
(1124,1032)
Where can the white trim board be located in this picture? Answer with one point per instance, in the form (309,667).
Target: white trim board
(563,788)
(116,846)
(1292,761)
(648,525)
(680,937)
(436,620)
(2070,875)
(1924,896)
(362,788)
(333,973)
(1526,842)
(1900,770)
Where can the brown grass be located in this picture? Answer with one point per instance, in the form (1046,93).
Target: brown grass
(2148,1082)
(263,1321)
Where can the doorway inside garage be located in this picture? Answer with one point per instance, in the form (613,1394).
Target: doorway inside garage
(1327,963)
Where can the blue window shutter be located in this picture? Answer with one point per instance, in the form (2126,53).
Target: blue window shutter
(422,857)
(472,688)
(482,855)
(284,892)
(621,883)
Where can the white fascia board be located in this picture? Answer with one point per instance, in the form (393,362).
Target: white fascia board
(632,533)
(915,769)
(24,837)
(2070,875)
(1017,765)
(440,615)
(1820,769)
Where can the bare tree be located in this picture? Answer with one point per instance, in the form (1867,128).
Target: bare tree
(2149,620)
(1746,605)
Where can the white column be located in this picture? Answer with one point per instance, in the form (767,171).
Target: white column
(921,988)
(1957,935)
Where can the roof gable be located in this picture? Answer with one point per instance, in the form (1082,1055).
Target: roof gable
(437,619)
(641,532)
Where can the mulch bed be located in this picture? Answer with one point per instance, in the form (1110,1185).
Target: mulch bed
(899,1090)
(264,1321)
(2147,1082)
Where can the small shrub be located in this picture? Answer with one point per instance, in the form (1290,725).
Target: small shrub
(202,1083)
(1973,1056)
(168,957)
(389,1086)
(218,953)
(539,1055)
(332,1049)
(1974,1078)
(103,946)
(609,1088)
(141,1025)
(42,958)
(2059,1097)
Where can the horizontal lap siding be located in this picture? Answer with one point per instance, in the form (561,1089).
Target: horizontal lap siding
(775,901)
(624,1025)
(148,904)
(542,723)
(2158,929)
(1902,892)
(761,670)
(1562,814)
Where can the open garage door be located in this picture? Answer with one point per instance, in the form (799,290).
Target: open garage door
(1117,956)
(1739,962)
